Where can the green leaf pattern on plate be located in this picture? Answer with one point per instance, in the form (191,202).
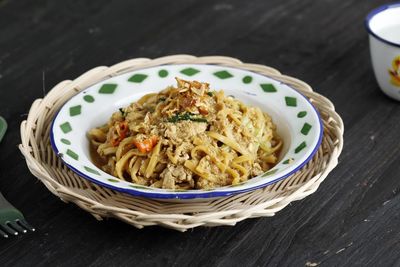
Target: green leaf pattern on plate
(189,71)
(163,73)
(301,114)
(223,74)
(291,101)
(108,88)
(75,110)
(72,154)
(66,127)
(65,141)
(137,78)
(91,170)
(247,79)
(268,88)
(268,173)
(88,98)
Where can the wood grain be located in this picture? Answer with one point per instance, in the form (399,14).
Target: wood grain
(352,220)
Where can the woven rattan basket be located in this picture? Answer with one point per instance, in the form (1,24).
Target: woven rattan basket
(179,215)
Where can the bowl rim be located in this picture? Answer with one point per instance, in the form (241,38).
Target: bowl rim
(375,12)
(202,194)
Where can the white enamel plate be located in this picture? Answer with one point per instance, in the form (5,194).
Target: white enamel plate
(298,123)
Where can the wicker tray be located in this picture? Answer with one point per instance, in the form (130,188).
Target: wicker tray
(179,215)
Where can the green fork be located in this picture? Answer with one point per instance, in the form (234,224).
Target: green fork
(12,221)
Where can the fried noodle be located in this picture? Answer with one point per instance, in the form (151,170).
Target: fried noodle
(186,137)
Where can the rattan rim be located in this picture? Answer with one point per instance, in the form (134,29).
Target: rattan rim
(139,212)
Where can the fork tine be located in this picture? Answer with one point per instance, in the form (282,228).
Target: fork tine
(16,227)
(9,230)
(25,224)
(3,234)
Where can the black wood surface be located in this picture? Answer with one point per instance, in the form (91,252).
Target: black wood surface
(352,220)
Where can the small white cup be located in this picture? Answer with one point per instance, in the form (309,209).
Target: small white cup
(383,26)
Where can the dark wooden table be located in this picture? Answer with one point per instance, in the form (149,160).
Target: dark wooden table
(354,217)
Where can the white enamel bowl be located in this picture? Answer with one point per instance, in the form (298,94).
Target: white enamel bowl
(298,123)
(383,26)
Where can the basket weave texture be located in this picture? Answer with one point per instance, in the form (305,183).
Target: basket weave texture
(183,214)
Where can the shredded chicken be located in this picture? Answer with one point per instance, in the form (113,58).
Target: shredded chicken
(175,174)
(185,130)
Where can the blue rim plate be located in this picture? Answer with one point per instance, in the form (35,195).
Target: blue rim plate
(297,121)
